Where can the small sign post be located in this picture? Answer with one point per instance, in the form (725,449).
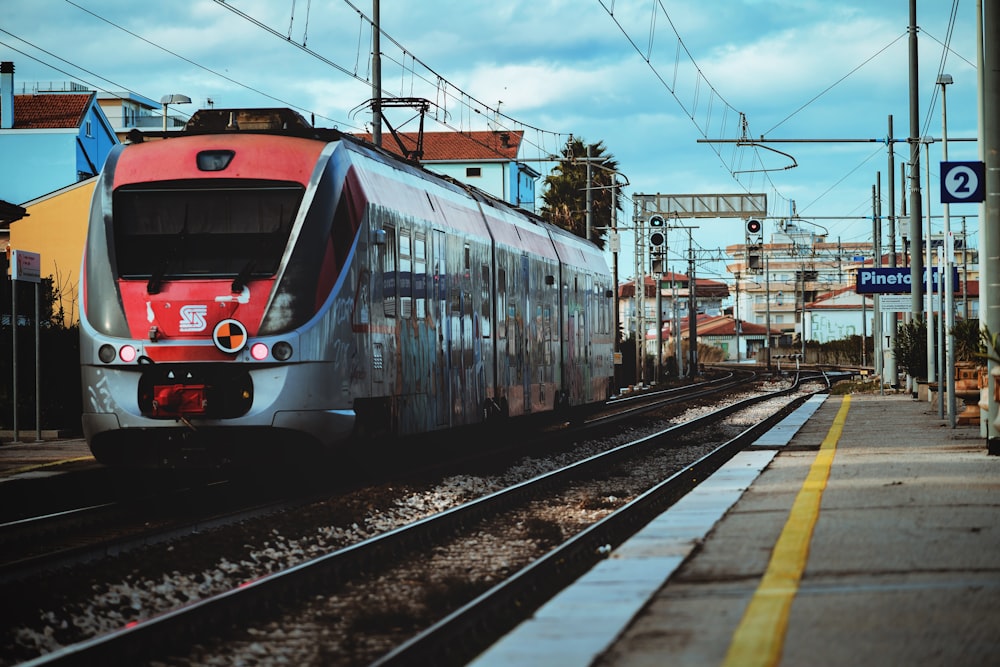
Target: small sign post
(26,267)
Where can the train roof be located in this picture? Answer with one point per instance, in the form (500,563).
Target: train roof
(287,122)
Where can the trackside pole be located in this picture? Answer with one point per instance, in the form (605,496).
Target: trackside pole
(13,338)
(38,368)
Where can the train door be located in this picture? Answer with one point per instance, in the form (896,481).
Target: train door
(465,363)
(486,361)
(572,335)
(525,333)
(442,333)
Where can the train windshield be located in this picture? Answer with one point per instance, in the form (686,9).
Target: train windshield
(221,229)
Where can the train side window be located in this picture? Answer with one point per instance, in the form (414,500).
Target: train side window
(405,275)
(468,258)
(501,303)
(484,292)
(420,274)
(389,272)
(602,312)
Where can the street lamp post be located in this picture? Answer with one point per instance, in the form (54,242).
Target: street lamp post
(928,282)
(945,80)
(175,98)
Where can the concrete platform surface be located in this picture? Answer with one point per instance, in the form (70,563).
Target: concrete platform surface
(42,458)
(870,537)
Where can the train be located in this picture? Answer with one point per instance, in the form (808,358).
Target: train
(256,286)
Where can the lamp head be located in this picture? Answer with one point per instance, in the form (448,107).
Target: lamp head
(175,98)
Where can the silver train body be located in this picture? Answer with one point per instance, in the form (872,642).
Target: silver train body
(246,292)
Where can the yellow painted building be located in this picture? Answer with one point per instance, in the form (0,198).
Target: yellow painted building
(56,228)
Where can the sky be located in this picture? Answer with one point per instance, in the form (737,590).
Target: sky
(659,82)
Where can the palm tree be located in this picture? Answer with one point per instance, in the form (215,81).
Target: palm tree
(565,195)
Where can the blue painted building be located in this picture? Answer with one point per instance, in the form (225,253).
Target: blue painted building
(48,140)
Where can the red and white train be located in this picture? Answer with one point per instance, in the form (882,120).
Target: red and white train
(248,290)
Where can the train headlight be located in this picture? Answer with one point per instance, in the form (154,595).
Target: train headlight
(127,354)
(258,351)
(106,353)
(282,351)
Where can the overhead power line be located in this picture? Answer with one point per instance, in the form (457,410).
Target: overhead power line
(447,93)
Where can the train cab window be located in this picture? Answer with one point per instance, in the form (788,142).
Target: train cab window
(405,275)
(389,272)
(177,230)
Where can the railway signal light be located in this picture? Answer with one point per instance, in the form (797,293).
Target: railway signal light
(754,227)
(657,237)
(657,243)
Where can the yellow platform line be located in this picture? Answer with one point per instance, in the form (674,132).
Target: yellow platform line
(18,471)
(760,637)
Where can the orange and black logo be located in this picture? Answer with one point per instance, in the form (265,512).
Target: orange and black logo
(230,336)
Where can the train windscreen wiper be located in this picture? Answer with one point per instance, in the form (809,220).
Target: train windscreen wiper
(241,278)
(156,280)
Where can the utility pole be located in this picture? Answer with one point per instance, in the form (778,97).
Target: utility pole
(737,321)
(990,149)
(614,280)
(767,311)
(877,348)
(948,300)
(889,363)
(931,346)
(916,246)
(376,75)
(639,298)
(590,198)
(692,310)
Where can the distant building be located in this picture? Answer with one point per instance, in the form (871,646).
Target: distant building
(775,281)
(804,286)
(675,302)
(129,111)
(486,159)
(48,140)
(55,226)
(738,340)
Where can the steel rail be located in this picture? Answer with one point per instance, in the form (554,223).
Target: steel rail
(166,632)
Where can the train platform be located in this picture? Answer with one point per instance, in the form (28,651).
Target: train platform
(51,455)
(861,531)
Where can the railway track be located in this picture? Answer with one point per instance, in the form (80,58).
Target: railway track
(530,586)
(115,514)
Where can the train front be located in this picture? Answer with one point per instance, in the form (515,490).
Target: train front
(208,267)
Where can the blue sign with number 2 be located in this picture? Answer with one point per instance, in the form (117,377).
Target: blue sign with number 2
(962,182)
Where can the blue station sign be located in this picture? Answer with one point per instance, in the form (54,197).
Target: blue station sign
(895,280)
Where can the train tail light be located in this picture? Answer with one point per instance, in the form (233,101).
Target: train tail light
(282,351)
(107,353)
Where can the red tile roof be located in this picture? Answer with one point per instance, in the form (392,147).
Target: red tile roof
(703,286)
(50,111)
(440,146)
(725,325)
